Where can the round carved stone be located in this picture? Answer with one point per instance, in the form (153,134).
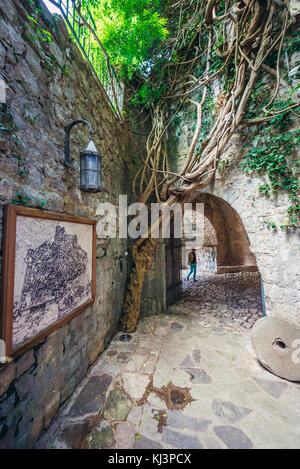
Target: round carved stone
(276,343)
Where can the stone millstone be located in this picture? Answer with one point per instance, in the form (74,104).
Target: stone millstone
(276,343)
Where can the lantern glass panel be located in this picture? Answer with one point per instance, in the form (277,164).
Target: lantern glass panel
(91,178)
(91,162)
(90,173)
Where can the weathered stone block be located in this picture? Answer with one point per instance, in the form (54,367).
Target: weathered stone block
(74,364)
(102,437)
(13,38)
(91,398)
(25,385)
(81,372)
(117,406)
(8,440)
(125,435)
(68,389)
(180,440)
(7,405)
(34,432)
(294,7)
(2,55)
(135,385)
(24,363)
(74,434)
(146,443)
(51,407)
(7,374)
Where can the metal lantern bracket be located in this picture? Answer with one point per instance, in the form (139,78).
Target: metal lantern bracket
(88,150)
(68,129)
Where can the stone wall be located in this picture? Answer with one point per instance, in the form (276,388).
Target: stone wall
(49,86)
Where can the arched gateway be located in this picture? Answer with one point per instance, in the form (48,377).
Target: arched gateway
(225,262)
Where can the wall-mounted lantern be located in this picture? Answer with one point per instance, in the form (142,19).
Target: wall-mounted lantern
(90,161)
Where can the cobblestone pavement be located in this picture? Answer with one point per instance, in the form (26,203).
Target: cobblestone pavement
(230,297)
(187,379)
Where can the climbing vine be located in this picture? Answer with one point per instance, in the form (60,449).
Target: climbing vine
(273,154)
(272,151)
(34,21)
(10,129)
(270,157)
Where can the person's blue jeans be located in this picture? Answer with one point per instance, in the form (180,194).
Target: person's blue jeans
(193,268)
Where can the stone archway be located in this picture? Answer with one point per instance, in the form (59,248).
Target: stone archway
(229,289)
(224,230)
(234,284)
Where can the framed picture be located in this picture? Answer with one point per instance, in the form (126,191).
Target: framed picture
(49,273)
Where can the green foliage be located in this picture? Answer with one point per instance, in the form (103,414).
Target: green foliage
(8,126)
(148,94)
(292,41)
(272,225)
(24,200)
(7,123)
(272,148)
(33,19)
(130,31)
(271,156)
(225,163)
(42,204)
(21,199)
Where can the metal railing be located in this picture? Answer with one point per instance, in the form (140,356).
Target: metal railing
(83,37)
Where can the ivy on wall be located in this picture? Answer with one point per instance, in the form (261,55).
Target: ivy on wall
(272,150)
(270,156)
(34,20)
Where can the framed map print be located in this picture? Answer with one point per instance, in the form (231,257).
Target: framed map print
(49,273)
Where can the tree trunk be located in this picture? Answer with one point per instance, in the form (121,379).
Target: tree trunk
(141,261)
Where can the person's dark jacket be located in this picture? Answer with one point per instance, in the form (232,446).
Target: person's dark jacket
(190,258)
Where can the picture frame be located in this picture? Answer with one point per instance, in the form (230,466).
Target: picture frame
(48,275)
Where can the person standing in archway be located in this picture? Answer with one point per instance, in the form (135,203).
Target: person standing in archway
(192,261)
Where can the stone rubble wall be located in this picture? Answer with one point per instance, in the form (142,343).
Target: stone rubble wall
(48,86)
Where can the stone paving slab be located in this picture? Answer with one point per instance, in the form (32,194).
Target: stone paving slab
(236,403)
(92,396)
